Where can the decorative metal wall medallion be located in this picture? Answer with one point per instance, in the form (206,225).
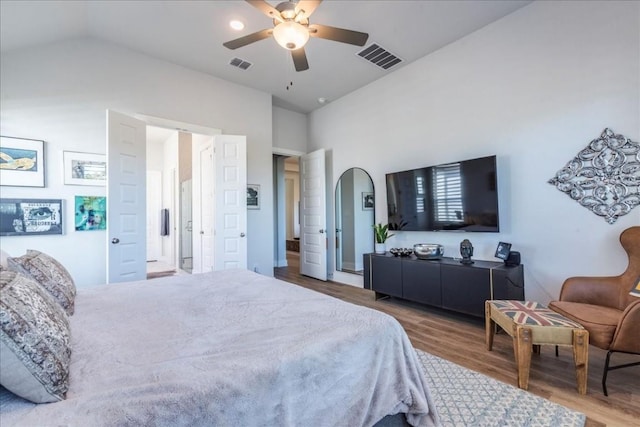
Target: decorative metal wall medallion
(604,177)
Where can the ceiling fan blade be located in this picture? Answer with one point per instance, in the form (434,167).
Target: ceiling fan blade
(266,8)
(306,7)
(248,39)
(300,59)
(338,34)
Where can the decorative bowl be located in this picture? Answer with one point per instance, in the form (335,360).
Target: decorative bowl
(428,250)
(401,251)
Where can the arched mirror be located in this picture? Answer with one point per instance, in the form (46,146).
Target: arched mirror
(355,201)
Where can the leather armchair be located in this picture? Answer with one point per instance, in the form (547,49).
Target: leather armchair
(604,307)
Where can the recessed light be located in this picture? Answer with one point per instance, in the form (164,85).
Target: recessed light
(322,100)
(236,25)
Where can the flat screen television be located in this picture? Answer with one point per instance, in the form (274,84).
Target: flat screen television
(459,196)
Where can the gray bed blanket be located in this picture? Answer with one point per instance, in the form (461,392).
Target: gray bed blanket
(230,348)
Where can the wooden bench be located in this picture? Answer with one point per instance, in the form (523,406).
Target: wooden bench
(531,324)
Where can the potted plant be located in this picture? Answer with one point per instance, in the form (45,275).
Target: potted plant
(381,233)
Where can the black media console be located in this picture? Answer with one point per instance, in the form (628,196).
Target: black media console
(444,283)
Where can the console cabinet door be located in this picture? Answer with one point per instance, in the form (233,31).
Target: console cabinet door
(465,288)
(366,258)
(386,275)
(421,281)
(508,283)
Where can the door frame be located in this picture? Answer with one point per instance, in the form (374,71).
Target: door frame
(187,128)
(279,218)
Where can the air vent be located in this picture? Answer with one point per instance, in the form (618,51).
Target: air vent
(379,56)
(240,63)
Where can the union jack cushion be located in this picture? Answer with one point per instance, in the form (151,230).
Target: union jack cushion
(533,313)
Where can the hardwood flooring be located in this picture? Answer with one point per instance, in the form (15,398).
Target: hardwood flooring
(460,339)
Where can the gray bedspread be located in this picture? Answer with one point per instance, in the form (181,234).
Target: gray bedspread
(230,348)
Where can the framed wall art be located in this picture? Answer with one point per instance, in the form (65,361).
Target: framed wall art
(85,168)
(90,213)
(367,201)
(253,196)
(21,162)
(26,217)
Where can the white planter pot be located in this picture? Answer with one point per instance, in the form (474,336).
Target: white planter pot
(381,248)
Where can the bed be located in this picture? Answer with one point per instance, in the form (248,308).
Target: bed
(229,348)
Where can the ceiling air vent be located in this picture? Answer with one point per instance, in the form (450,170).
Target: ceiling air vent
(240,63)
(379,56)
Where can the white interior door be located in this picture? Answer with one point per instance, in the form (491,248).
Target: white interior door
(313,216)
(231,201)
(207,183)
(126,198)
(186,226)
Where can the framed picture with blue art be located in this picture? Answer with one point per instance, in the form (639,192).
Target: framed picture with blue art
(21,162)
(90,213)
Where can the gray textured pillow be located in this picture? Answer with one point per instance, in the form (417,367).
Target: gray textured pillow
(35,340)
(4,256)
(50,274)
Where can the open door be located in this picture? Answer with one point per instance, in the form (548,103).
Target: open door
(313,215)
(230,201)
(204,253)
(126,198)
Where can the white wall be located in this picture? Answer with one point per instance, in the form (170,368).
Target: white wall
(533,88)
(289,131)
(59,93)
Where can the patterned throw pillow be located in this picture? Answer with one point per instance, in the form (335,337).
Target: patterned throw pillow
(35,340)
(3,260)
(50,274)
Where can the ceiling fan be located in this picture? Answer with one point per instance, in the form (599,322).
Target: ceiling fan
(291,29)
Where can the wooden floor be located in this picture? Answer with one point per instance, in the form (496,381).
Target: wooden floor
(460,339)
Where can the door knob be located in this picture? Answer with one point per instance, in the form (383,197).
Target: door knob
(242,234)
(321,231)
(115,240)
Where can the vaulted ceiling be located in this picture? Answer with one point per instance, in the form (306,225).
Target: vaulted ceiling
(191,33)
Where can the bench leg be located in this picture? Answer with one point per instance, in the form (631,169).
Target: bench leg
(581,357)
(489,326)
(523,346)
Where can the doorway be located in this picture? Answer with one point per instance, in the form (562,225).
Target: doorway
(287,216)
(292,211)
(313,222)
(174,172)
(126,139)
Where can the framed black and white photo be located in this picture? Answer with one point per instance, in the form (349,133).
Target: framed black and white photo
(27,217)
(85,168)
(253,196)
(21,162)
(502,251)
(367,201)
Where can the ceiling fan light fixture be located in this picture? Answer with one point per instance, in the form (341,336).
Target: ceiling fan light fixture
(291,35)
(236,24)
